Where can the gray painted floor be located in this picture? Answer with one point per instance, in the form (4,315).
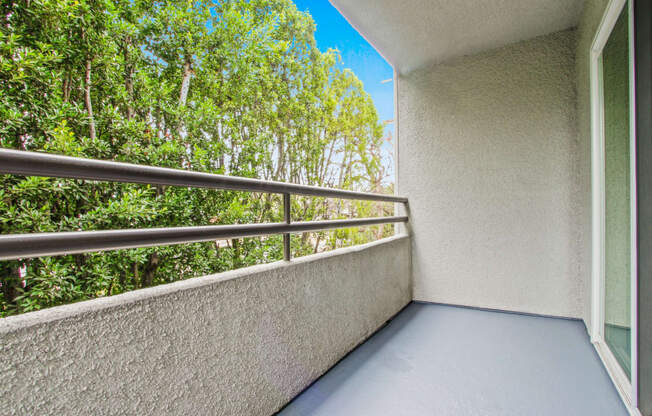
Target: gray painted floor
(444,360)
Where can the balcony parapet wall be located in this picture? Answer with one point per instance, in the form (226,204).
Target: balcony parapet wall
(243,342)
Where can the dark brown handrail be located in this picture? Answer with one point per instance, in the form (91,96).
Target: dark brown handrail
(16,246)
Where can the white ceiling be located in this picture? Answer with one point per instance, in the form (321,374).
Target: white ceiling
(414,33)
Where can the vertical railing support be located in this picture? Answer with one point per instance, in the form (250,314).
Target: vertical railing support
(287,255)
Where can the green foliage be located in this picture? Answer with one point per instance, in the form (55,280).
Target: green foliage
(235,87)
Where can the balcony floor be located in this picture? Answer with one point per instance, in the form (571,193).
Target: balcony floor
(445,360)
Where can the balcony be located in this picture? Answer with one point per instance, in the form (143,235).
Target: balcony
(517,253)
(440,359)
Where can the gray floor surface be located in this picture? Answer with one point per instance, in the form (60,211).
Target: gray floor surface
(446,360)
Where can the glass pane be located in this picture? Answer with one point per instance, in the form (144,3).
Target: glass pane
(615,71)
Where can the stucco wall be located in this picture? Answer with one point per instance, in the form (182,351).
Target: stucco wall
(488,156)
(238,343)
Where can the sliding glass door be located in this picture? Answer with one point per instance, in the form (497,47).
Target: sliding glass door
(617,192)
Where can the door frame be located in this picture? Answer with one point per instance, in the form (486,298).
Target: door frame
(626,388)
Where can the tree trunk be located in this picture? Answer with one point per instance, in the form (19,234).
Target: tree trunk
(66,88)
(345,156)
(129,78)
(185,82)
(317,243)
(134,272)
(10,282)
(236,253)
(327,164)
(129,84)
(80,260)
(183,97)
(87,100)
(150,270)
(280,171)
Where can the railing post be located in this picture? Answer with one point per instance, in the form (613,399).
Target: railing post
(287,255)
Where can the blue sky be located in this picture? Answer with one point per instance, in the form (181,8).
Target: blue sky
(333,31)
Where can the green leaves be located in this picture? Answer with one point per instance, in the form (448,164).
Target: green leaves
(233,87)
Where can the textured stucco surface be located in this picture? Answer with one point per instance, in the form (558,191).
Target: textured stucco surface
(239,343)
(488,159)
(414,33)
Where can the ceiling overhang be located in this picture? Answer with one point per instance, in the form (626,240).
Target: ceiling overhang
(413,33)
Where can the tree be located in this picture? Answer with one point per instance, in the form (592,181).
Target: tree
(233,87)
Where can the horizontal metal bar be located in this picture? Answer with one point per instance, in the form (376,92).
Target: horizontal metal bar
(18,162)
(18,246)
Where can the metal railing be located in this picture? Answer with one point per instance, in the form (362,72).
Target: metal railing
(17,246)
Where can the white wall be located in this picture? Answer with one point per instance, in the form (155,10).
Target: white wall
(239,343)
(488,157)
